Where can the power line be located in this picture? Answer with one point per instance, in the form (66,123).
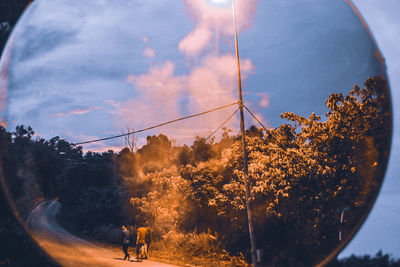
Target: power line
(254,116)
(152,127)
(219,127)
(172,121)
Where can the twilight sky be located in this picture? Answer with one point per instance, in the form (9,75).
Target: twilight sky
(82,72)
(382,227)
(87,71)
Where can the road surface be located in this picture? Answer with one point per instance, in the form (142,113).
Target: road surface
(69,250)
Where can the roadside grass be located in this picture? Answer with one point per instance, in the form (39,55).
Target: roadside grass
(187,249)
(192,249)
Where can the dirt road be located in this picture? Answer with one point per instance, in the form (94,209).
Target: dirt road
(70,250)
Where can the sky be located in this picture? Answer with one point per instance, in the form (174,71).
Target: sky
(382,227)
(87,71)
(80,72)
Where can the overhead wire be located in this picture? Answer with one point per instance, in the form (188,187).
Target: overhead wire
(152,127)
(254,116)
(222,124)
(173,121)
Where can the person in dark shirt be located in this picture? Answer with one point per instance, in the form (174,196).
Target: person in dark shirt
(125,242)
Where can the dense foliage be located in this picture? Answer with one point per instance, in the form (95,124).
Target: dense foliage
(302,176)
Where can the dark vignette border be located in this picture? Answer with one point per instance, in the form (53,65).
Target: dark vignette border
(17,247)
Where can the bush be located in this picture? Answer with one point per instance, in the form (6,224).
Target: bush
(202,249)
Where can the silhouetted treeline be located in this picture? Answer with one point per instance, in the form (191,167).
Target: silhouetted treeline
(87,185)
(379,260)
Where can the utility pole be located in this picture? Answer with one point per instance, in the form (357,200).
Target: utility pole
(245,170)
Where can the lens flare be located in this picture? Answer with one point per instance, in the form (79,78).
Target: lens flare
(219,2)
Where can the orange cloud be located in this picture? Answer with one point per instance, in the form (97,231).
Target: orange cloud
(3,123)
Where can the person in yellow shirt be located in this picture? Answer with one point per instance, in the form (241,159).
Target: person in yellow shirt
(142,237)
(148,241)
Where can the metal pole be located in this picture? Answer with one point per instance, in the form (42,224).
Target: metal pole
(245,170)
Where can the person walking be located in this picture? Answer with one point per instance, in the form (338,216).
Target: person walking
(125,242)
(142,237)
(148,241)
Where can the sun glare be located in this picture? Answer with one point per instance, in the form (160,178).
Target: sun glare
(219,2)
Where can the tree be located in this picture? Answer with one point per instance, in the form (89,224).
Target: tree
(129,139)
(301,173)
(126,163)
(379,260)
(156,154)
(184,156)
(202,150)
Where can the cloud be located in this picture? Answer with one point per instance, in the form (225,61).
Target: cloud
(149,52)
(4,68)
(195,40)
(162,95)
(159,92)
(77,111)
(211,83)
(112,103)
(3,123)
(264,101)
(157,99)
(159,84)
(262,119)
(213,21)
(145,39)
